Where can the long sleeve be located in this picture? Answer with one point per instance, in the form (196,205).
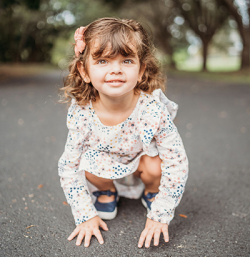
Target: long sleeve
(72,179)
(174,169)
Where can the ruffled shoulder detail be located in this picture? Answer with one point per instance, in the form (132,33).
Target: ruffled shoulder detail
(171,106)
(153,105)
(77,117)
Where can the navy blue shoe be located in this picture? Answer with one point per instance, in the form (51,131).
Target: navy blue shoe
(106,211)
(145,199)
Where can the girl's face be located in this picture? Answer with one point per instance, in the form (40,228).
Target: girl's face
(113,77)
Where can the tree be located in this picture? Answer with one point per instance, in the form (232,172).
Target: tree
(163,17)
(30,28)
(244,29)
(204,18)
(26,31)
(158,16)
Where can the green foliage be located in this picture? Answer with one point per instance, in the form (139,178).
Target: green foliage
(180,56)
(4,4)
(30,4)
(116,4)
(26,34)
(30,28)
(42,30)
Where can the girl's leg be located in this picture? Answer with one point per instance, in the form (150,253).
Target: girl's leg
(102,184)
(149,170)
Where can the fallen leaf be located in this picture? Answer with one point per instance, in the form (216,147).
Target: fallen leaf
(65,203)
(30,226)
(40,186)
(183,216)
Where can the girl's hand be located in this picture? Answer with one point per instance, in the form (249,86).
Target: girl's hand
(153,229)
(87,229)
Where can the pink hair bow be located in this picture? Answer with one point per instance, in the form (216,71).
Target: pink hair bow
(79,39)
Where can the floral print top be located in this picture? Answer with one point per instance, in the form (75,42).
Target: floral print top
(113,152)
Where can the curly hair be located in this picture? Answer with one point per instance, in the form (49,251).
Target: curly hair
(114,36)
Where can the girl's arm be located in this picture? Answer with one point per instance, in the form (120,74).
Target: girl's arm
(72,179)
(156,122)
(174,170)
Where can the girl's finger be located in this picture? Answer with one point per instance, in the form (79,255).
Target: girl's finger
(142,238)
(165,234)
(157,237)
(148,239)
(98,235)
(74,233)
(103,225)
(87,239)
(80,237)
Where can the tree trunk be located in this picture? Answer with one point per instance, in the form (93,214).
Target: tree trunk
(204,55)
(245,54)
(165,43)
(244,32)
(245,62)
(22,41)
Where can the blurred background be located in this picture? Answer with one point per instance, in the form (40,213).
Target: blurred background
(190,35)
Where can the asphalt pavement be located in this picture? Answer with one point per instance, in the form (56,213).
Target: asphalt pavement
(214,122)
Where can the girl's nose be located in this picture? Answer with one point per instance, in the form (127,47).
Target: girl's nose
(115,69)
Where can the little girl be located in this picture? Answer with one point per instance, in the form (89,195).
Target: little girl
(120,131)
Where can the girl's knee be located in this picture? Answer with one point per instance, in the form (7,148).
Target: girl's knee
(150,165)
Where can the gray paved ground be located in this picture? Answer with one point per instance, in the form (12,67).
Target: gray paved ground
(214,121)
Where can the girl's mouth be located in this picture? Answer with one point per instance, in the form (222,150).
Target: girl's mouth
(115,82)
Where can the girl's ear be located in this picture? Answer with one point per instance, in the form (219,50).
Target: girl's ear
(83,73)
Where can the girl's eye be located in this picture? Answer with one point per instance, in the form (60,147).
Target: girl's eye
(102,62)
(128,61)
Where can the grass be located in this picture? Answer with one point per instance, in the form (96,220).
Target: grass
(220,69)
(236,77)
(214,63)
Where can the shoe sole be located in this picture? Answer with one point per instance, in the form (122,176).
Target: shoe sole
(108,215)
(145,204)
